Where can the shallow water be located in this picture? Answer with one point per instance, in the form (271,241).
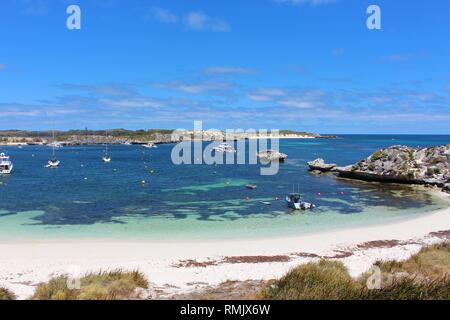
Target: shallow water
(89,199)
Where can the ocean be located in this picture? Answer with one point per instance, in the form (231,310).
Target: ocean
(86,198)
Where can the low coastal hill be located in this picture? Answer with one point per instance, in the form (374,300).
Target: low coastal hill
(121,136)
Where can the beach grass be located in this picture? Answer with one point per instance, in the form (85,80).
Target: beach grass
(5,294)
(314,281)
(430,262)
(424,276)
(112,285)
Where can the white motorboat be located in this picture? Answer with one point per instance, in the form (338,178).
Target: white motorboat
(150,145)
(294,202)
(55,144)
(6,165)
(224,147)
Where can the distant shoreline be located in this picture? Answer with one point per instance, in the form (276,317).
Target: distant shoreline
(155,141)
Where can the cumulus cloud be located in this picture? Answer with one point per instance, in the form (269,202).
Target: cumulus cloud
(265,94)
(194,88)
(114,90)
(199,21)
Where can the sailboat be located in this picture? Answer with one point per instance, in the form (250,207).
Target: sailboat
(53,162)
(106,158)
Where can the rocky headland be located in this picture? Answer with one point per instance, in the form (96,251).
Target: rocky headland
(398,164)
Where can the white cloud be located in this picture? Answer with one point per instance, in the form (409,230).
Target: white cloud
(297,103)
(228,70)
(197,20)
(266,94)
(163,15)
(195,87)
(132,103)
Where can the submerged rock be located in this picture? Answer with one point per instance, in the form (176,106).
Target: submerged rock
(401,164)
(320,165)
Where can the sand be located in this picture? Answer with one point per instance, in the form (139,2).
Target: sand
(23,265)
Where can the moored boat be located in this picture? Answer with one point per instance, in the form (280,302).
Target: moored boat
(295,202)
(150,145)
(6,166)
(224,147)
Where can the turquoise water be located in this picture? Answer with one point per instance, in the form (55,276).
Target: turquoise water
(86,198)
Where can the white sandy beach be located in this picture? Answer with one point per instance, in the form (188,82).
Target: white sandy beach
(24,265)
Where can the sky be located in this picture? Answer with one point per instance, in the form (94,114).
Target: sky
(309,65)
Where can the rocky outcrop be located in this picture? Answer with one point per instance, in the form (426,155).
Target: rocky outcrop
(401,164)
(320,165)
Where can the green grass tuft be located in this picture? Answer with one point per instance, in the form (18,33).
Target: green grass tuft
(314,281)
(113,285)
(5,294)
(425,276)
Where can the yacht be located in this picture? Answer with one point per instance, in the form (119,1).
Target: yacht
(53,162)
(224,147)
(6,165)
(106,158)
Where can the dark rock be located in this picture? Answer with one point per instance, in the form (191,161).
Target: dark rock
(320,165)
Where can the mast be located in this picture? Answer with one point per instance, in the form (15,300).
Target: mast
(54,142)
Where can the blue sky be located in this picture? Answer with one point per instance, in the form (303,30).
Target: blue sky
(277,64)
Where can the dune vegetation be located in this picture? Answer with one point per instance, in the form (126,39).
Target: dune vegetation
(425,276)
(5,294)
(113,285)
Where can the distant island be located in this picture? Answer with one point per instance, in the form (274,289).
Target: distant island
(124,136)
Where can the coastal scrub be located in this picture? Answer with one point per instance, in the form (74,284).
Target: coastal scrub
(113,285)
(5,294)
(424,276)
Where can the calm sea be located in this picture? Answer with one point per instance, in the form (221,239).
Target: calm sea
(86,198)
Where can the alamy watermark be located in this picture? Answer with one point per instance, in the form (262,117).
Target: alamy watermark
(374,20)
(250,144)
(73,22)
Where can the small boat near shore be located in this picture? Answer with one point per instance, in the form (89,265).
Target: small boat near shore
(295,202)
(251,186)
(6,166)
